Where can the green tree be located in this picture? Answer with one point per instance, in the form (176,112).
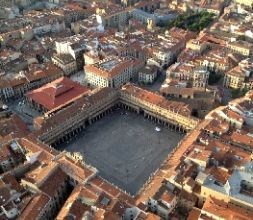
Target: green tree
(244,91)
(214,78)
(235,93)
(192,21)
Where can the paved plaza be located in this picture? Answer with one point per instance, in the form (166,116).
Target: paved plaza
(125,148)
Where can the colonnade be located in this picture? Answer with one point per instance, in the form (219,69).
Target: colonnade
(170,125)
(73,133)
(129,108)
(68,135)
(100,115)
(155,118)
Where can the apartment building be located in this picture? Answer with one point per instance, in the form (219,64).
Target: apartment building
(240,76)
(219,60)
(34,77)
(169,45)
(112,72)
(158,108)
(11,197)
(144,17)
(11,155)
(200,77)
(163,203)
(197,45)
(66,62)
(148,74)
(74,46)
(112,16)
(193,75)
(235,188)
(242,47)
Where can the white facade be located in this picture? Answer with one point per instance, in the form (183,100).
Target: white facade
(115,81)
(200,77)
(147,75)
(162,208)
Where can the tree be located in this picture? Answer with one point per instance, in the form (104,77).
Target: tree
(214,78)
(244,91)
(235,93)
(194,21)
(242,37)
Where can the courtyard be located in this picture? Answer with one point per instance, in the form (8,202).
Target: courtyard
(125,147)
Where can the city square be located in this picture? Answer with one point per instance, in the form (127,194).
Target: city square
(125,148)
(126,110)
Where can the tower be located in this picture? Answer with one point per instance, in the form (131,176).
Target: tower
(150,24)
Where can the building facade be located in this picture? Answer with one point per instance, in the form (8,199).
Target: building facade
(112,72)
(57,126)
(66,63)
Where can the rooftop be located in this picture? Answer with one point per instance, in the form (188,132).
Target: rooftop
(221,209)
(109,67)
(57,93)
(157,99)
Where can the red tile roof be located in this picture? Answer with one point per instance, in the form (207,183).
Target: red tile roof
(220,209)
(57,93)
(35,207)
(114,71)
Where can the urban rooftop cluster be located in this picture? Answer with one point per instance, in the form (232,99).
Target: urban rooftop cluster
(126,109)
